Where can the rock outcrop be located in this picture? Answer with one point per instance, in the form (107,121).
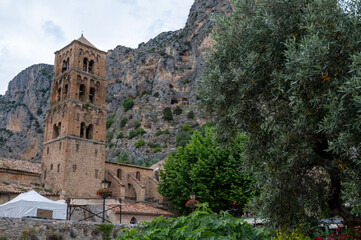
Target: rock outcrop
(158,76)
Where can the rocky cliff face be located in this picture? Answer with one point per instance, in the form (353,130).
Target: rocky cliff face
(158,76)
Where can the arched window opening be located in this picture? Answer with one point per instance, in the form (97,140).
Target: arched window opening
(81,92)
(65,66)
(66,90)
(91,65)
(119,174)
(59,94)
(137,175)
(133,220)
(89,132)
(56,131)
(58,168)
(97,85)
(85,64)
(91,94)
(82,129)
(51,166)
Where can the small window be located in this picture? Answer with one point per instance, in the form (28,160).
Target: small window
(96,152)
(47,150)
(91,65)
(59,94)
(45,174)
(81,92)
(85,64)
(119,174)
(65,90)
(77,147)
(65,66)
(51,166)
(60,146)
(96,173)
(58,168)
(82,129)
(138,176)
(74,168)
(91,95)
(89,132)
(133,220)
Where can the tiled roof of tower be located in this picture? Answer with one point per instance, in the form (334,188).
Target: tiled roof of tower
(18,165)
(142,209)
(85,41)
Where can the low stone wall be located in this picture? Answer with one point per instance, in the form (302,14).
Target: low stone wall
(40,229)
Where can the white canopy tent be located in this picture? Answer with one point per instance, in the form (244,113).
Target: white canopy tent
(29,204)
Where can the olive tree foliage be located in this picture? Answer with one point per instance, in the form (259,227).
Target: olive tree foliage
(212,171)
(288,73)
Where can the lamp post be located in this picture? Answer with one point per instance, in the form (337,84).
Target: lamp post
(105,185)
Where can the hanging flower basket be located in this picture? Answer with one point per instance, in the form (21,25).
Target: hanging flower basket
(104,192)
(192,203)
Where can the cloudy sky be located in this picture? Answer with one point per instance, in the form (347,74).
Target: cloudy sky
(32,30)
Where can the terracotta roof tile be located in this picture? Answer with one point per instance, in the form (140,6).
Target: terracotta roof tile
(19,165)
(16,187)
(142,209)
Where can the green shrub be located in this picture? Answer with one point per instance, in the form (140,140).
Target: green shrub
(124,159)
(134,133)
(111,145)
(139,143)
(120,135)
(123,122)
(110,121)
(167,114)
(156,94)
(110,136)
(190,115)
(166,131)
(201,224)
(153,145)
(186,128)
(141,131)
(130,116)
(128,104)
(293,235)
(157,149)
(39,130)
(137,124)
(39,111)
(178,110)
(158,133)
(183,138)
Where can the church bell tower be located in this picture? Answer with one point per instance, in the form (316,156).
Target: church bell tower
(73,157)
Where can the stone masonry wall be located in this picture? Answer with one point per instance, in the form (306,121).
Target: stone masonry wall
(39,229)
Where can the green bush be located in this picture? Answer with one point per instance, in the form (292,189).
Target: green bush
(153,145)
(190,115)
(110,136)
(293,235)
(156,94)
(157,149)
(123,122)
(39,111)
(139,143)
(178,110)
(124,159)
(110,121)
(201,224)
(186,128)
(137,124)
(166,131)
(158,133)
(111,145)
(134,133)
(183,138)
(167,114)
(128,104)
(120,135)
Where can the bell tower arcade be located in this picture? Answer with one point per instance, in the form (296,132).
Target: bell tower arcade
(73,157)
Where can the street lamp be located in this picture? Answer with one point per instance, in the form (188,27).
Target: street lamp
(105,185)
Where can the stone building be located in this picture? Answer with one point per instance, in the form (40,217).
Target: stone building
(73,158)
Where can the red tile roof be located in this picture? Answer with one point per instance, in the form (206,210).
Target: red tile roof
(142,209)
(16,187)
(18,165)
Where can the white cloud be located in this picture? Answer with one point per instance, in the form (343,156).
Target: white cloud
(31,31)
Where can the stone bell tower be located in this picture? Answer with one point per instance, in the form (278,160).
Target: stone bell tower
(73,157)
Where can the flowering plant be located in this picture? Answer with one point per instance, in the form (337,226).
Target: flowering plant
(192,203)
(337,235)
(105,192)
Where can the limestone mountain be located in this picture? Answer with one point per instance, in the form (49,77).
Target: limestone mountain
(150,95)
